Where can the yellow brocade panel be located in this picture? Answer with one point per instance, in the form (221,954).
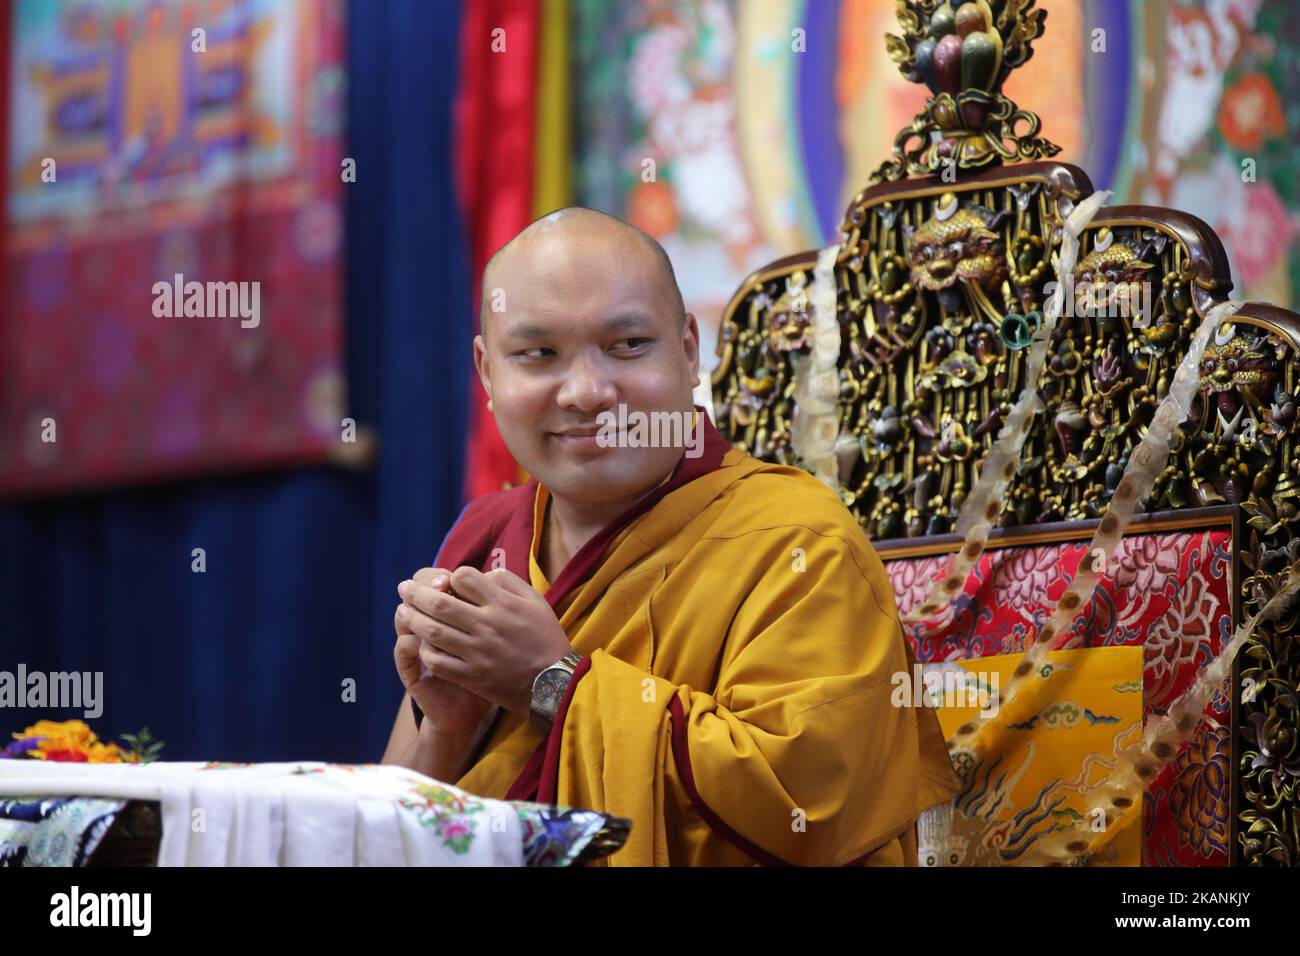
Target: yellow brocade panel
(1041,765)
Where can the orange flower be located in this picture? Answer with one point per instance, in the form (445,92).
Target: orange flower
(54,728)
(1250,112)
(70,741)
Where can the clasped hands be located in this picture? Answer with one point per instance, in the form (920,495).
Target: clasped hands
(468,640)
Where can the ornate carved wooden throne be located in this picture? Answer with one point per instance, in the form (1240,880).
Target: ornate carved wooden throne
(940,283)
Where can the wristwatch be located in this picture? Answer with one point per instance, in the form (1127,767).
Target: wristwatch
(548,690)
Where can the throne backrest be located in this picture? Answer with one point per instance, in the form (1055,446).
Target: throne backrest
(931,362)
(943,270)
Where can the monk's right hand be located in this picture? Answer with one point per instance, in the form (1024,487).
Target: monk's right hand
(449,709)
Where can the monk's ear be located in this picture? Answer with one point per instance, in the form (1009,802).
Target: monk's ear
(481,365)
(691,345)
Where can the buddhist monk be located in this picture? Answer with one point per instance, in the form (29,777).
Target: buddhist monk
(654,626)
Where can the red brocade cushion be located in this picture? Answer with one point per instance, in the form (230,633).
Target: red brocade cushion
(1170,593)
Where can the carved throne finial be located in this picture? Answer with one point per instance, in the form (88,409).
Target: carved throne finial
(964,50)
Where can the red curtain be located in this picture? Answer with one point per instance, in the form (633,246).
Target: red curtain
(496,115)
(6,14)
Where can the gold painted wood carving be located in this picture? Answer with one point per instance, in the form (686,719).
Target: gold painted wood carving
(964,51)
(941,283)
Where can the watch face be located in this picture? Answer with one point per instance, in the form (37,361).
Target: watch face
(551,686)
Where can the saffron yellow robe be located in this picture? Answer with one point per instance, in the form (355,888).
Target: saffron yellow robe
(742,636)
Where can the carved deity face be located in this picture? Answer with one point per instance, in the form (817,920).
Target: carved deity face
(791,324)
(1233,368)
(958,246)
(1112,282)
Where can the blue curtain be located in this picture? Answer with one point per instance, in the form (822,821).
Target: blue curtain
(247,661)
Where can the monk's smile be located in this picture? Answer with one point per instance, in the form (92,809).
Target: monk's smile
(581,437)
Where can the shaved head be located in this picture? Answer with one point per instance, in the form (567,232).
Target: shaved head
(573,220)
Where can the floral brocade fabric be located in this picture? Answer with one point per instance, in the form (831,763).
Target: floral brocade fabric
(54,831)
(1168,593)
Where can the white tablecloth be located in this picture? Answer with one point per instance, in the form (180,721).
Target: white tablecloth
(293,814)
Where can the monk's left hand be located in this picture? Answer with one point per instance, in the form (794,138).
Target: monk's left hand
(492,635)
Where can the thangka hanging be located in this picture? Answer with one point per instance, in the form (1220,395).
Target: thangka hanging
(172,269)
